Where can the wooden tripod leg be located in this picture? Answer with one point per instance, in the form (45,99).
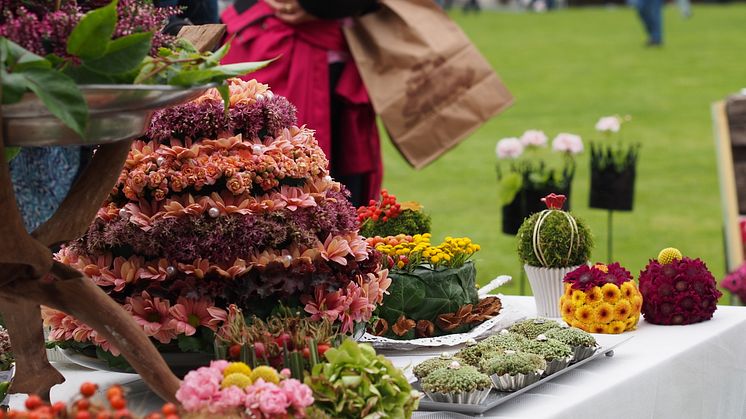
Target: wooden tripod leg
(79,297)
(34,373)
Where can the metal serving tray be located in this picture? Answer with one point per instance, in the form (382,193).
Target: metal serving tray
(497,398)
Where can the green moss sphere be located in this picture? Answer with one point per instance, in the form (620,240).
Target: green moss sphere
(532,328)
(408,222)
(555,236)
(424,368)
(473,355)
(549,349)
(572,336)
(456,380)
(513,363)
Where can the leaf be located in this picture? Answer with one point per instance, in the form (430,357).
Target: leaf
(14,86)
(510,185)
(404,293)
(216,74)
(117,363)
(19,59)
(122,54)
(189,343)
(93,33)
(11,153)
(61,96)
(84,75)
(225,94)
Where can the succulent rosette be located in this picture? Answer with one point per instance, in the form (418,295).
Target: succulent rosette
(677,290)
(215,208)
(601,299)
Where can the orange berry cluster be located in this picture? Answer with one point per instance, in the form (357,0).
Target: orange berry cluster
(384,210)
(83,408)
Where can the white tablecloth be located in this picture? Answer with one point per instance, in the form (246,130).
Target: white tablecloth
(696,371)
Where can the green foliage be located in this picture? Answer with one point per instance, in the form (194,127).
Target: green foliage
(409,222)
(90,37)
(510,184)
(618,155)
(4,386)
(357,383)
(555,238)
(424,294)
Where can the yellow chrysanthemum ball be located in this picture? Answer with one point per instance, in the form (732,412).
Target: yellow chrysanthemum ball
(237,368)
(668,255)
(236,379)
(268,374)
(593,301)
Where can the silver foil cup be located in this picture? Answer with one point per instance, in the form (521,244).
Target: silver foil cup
(582,352)
(507,382)
(466,397)
(557,365)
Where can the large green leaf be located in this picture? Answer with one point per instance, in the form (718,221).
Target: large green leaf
(14,86)
(122,54)
(17,59)
(405,293)
(61,96)
(510,185)
(91,36)
(217,73)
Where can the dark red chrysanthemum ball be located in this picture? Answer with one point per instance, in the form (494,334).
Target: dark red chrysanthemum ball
(681,292)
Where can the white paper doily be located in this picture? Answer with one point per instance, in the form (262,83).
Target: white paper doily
(508,315)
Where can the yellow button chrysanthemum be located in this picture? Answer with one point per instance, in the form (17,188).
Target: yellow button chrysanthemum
(668,255)
(578,298)
(237,368)
(236,379)
(611,293)
(268,374)
(594,295)
(603,313)
(622,310)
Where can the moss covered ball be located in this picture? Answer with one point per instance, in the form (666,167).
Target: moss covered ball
(572,336)
(549,349)
(560,243)
(513,363)
(465,378)
(532,328)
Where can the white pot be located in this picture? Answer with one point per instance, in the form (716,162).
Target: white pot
(547,286)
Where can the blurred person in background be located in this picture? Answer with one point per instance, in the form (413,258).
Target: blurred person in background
(650,12)
(193,12)
(316,72)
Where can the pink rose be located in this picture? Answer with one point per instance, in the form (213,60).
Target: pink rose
(273,401)
(568,143)
(509,148)
(534,138)
(298,394)
(228,399)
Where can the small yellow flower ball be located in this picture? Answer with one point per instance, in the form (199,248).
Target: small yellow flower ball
(236,379)
(668,255)
(237,368)
(268,374)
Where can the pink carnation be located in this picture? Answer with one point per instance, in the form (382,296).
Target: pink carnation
(534,138)
(298,394)
(509,148)
(568,143)
(266,399)
(609,124)
(199,389)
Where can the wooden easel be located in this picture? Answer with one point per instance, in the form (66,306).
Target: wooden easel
(31,278)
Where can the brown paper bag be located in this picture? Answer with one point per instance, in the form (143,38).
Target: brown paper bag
(426,80)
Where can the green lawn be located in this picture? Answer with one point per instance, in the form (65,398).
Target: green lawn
(566,69)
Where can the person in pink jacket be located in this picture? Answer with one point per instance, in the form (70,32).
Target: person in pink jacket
(316,72)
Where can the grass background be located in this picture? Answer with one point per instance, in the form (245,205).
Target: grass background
(566,69)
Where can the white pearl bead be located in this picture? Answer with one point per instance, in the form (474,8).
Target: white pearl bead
(454,365)
(213,212)
(542,338)
(287,258)
(259,97)
(257,148)
(504,332)
(269,94)
(471,342)
(170,270)
(328,178)
(446,355)
(160,160)
(509,352)
(122,213)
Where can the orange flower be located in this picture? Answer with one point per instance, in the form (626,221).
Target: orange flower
(403,325)
(336,249)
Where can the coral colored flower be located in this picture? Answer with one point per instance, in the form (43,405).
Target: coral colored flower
(509,148)
(188,314)
(534,138)
(298,394)
(153,315)
(568,143)
(336,249)
(324,305)
(182,206)
(554,201)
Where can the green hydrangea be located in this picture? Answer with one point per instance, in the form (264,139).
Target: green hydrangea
(513,363)
(423,369)
(456,380)
(555,234)
(532,328)
(549,349)
(572,336)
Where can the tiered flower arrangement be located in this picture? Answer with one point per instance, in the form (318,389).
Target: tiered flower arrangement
(433,290)
(677,290)
(215,208)
(601,299)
